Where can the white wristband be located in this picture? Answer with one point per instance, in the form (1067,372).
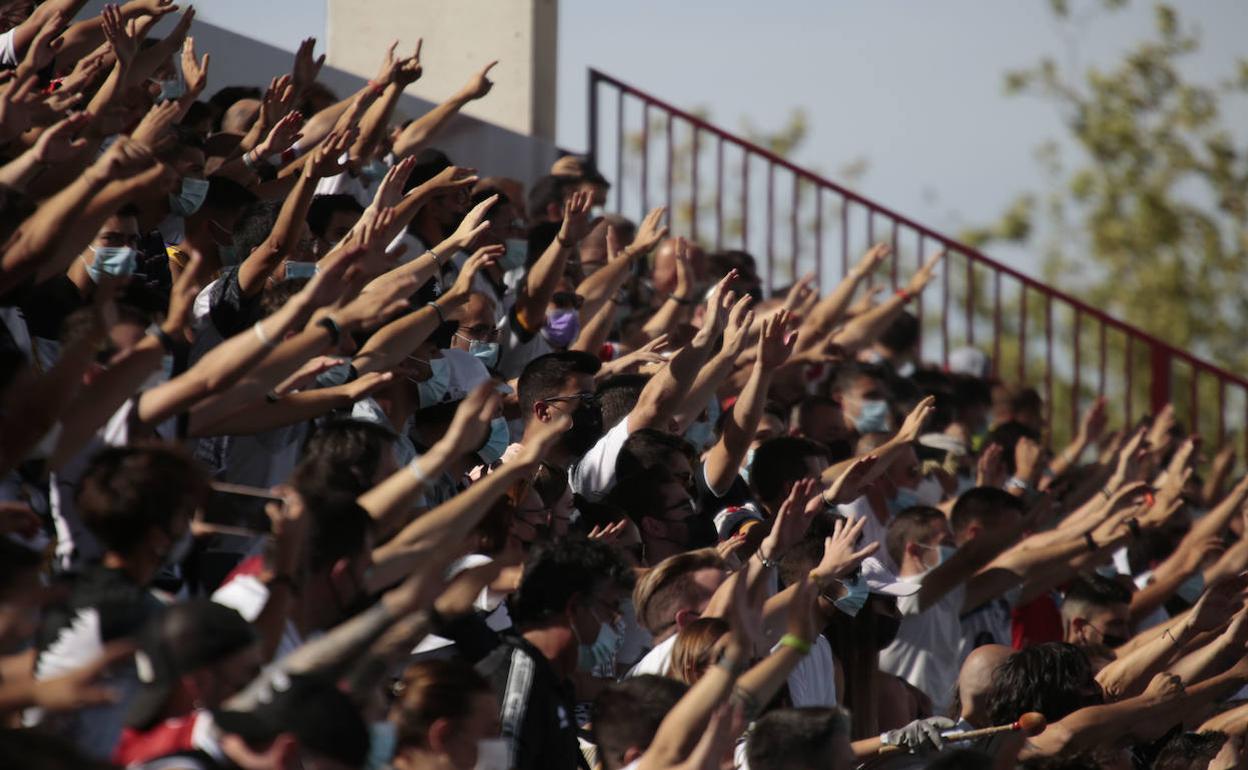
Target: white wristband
(264,338)
(416,471)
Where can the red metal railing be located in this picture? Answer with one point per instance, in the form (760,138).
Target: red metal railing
(1127,364)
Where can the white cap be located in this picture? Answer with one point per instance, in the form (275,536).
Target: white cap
(730,519)
(967,360)
(881,580)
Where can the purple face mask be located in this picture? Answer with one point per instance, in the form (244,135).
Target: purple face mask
(561,327)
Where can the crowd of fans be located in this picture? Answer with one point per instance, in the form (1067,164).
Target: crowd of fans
(322,451)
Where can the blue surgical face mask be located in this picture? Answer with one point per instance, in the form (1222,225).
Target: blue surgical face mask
(383,741)
(170,90)
(297,270)
(872,417)
(432,390)
(190,197)
(1191,589)
(855,597)
(700,434)
(374,170)
(745,466)
(111,260)
(905,498)
(516,254)
(497,442)
(601,654)
(485,352)
(946,553)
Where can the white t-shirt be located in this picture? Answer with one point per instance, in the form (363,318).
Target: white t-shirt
(593,476)
(813,681)
(8,51)
(926,650)
(872,532)
(658,661)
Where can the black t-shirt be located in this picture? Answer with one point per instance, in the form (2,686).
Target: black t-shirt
(538,714)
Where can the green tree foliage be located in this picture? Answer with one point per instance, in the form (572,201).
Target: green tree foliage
(1148,221)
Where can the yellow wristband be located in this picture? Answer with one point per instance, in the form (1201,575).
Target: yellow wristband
(796,642)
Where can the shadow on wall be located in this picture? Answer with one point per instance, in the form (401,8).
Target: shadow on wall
(492,150)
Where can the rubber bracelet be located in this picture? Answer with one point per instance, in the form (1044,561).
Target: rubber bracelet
(264,338)
(335,331)
(437,309)
(905,294)
(682,300)
(1087,538)
(796,642)
(168,343)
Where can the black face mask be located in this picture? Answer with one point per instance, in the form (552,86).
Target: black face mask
(586,429)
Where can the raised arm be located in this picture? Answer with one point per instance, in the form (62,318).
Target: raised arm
(539,284)
(725,458)
(391,499)
(397,73)
(599,288)
(665,391)
(829,311)
(262,261)
(448,524)
(864,329)
(422,129)
(711,376)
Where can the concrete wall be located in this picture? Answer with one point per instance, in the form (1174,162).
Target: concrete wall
(461,36)
(482,138)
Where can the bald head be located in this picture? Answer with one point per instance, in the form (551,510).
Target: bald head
(975,681)
(663,272)
(240,115)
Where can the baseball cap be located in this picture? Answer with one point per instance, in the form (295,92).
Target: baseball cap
(736,517)
(320,716)
(881,580)
(187,637)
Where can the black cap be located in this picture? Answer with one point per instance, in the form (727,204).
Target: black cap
(320,716)
(185,638)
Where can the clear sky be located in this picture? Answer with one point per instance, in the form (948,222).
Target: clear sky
(914,88)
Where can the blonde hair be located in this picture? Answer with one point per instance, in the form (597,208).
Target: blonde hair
(667,587)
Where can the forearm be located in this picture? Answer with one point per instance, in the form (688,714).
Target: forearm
(759,685)
(99,400)
(681,727)
(705,386)
(422,129)
(397,339)
(374,123)
(603,284)
(725,458)
(21,171)
(665,390)
(1066,459)
(451,522)
(539,285)
(862,330)
(49,233)
(594,333)
(1166,580)
(261,263)
(370,669)
(392,498)
(222,366)
(828,313)
(1207,660)
(665,318)
(260,416)
(267,375)
(1131,672)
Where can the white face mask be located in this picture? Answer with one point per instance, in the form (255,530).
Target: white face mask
(492,754)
